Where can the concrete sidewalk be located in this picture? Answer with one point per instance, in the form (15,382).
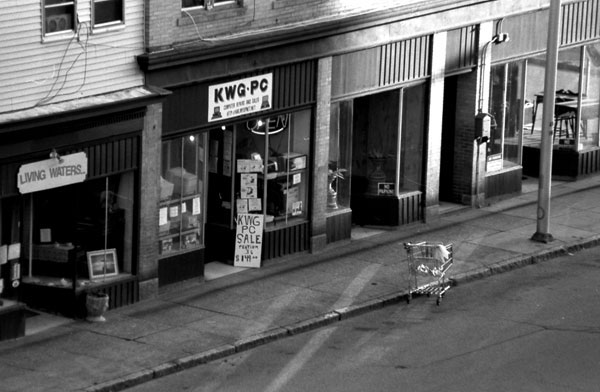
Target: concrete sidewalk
(196,323)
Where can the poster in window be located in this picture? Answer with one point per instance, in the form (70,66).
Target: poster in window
(45,235)
(297,208)
(190,240)
(3,254)
(255,204)
(196,206)
(249,165)
(102,263)
(248,185)
(494,162)
(227,167)
(162,216)
(242,206)
(14,251)
(167,245)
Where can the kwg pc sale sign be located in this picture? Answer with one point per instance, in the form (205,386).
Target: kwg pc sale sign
(248,240)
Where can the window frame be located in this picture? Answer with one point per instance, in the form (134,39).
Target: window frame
(46,7)
(209,4)
(114,23)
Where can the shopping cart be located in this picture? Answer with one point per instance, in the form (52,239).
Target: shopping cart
(428,264)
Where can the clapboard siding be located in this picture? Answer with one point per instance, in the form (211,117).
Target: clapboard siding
(29,67)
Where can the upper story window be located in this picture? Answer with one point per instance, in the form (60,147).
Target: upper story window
(107,12)
(59,16)
(203,3)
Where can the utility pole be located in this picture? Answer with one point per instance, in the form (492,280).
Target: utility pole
(545,176)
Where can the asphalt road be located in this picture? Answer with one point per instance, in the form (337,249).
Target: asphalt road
(536,328)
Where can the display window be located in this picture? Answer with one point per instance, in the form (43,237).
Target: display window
(58,229)
(576,109)
(388,141)
(260,166)
(340,156)
(181,209)
(271,169)
(506,107)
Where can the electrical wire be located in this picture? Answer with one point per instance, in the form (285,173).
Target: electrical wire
(49,96)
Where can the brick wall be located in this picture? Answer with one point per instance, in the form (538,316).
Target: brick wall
(467,182)
(149,198)
(321,154)
(169,25)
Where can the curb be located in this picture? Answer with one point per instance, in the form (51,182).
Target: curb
(331,317)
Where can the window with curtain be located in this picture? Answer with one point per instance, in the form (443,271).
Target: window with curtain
(59,16)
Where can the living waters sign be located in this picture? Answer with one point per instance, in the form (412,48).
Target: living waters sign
(248,240)
(52,173)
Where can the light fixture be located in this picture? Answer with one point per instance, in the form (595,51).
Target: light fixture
(55,155)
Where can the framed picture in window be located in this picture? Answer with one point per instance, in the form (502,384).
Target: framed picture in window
(102,263)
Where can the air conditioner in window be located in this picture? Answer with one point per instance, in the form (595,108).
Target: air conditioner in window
(60,22)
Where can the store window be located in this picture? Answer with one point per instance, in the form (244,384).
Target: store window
(59,16)
(66,225)
(107,12)
(280,189)
(506,108)
(10,237)
(340,156)
(388,137)
(577,99)
(181,210)
(204,3)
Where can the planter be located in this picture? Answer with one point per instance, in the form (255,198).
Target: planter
(96,305)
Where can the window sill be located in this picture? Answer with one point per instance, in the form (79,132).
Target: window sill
(57,37)
(108,28)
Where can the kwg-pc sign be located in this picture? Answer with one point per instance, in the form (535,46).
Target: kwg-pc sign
(244,96)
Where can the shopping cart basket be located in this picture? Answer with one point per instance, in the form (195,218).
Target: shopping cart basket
(428,264)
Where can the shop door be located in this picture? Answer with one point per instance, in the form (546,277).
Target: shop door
(219,238)
(448,134)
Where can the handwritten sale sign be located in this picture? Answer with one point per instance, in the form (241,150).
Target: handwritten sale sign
(248,240)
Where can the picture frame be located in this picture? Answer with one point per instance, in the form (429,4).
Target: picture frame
(102,263)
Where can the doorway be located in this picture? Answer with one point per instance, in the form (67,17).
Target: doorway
(448,134)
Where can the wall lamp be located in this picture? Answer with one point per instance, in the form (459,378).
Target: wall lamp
(55,155)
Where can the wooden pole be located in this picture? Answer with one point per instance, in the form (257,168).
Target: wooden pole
(545,176)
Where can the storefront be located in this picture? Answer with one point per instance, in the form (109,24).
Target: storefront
(70,206)
(243,148)
(385,133)
(517,98)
